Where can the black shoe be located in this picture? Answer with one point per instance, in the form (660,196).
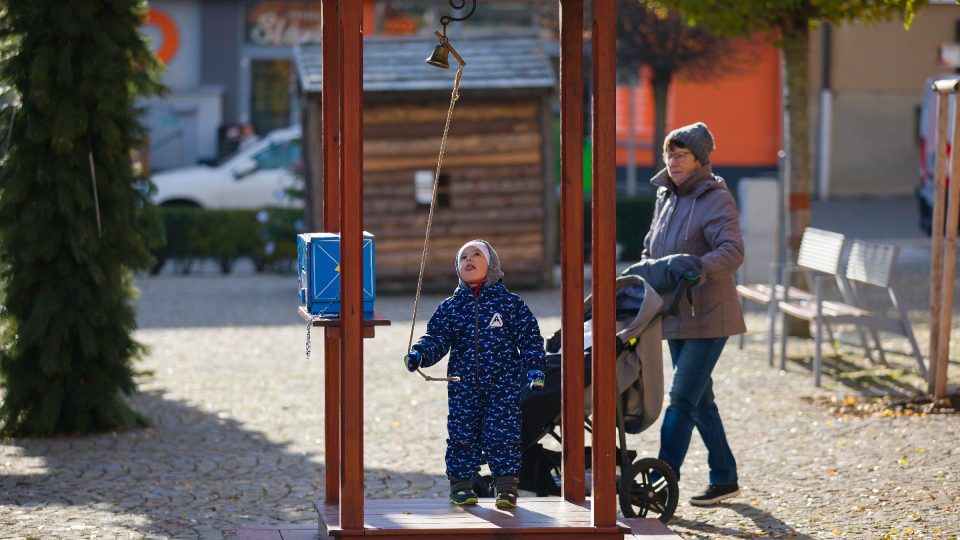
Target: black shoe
(715,493)
(506,498)
(463,497)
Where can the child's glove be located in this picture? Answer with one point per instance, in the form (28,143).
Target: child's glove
(535,380)
(412,360)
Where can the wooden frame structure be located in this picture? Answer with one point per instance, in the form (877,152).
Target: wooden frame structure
(943,255)
(343,512)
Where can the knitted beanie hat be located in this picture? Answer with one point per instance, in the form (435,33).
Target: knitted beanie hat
(696,137)
(480,245)
(494,270)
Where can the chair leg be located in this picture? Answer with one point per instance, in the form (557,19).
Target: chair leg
(916,348)
(908,331)
(771,330)
(818,332)
(879,347)
(741,339)
(866,346)
(783,341)
(832,338)
(817,358)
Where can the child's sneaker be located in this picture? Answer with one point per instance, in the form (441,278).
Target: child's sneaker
(506,498)
(463,497)
(507,492)
(462,493)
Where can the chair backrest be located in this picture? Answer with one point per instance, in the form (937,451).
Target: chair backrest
(821,250)
(872,263)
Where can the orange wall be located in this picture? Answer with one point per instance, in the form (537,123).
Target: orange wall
(742,110)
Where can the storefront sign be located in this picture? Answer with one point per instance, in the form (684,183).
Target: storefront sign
(282,24)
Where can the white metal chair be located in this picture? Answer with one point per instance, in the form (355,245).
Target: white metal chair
(868,263)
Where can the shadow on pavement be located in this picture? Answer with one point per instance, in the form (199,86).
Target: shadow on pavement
(766,522)
(193,474)
(866,379)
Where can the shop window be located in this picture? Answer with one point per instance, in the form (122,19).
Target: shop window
(271,89)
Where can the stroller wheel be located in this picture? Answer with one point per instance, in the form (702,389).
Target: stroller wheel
(648,488)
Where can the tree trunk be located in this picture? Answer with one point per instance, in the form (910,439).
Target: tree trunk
(661,85)
(796,126)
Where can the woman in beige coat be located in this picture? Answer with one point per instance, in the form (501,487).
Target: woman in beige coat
(696,214)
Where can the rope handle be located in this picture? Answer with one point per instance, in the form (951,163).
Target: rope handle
(426,239)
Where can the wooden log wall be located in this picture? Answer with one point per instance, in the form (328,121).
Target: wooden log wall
(494,161)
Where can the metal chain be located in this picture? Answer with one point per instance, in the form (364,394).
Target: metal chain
(309,325)
(426,239)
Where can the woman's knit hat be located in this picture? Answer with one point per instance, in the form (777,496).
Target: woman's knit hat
(696,137)
(494,270)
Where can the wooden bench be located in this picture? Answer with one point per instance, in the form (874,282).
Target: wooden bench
(820,253)
(870,264)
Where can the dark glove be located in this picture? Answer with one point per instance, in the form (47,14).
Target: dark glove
(535,380)
(412,360)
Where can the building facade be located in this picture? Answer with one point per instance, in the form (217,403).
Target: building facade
(866,85)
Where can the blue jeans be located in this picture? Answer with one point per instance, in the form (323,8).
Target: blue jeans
(692,404)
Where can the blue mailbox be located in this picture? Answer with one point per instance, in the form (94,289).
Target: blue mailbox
(318,261)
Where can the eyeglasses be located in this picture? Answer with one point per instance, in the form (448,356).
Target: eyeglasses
(679,157)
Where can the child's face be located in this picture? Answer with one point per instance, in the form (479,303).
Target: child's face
(473,267)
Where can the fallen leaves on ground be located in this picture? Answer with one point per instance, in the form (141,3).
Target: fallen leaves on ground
(887,406)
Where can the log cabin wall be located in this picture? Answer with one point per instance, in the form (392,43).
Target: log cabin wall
(499,182)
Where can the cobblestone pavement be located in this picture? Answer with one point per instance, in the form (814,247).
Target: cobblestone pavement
(237,434)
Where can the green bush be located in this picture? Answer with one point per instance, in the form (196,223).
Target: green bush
(267,236)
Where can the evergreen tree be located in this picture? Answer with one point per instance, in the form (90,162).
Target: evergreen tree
(71,231)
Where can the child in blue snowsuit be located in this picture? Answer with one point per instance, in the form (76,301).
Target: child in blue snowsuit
(495,348)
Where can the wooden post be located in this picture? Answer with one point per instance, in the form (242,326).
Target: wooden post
(604,262)
(330,107)
(949,263)
(936,237)
(571,238)
(351,268)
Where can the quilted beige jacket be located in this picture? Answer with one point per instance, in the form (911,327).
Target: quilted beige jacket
(700,218)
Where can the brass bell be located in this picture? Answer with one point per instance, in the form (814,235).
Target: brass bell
(439,57)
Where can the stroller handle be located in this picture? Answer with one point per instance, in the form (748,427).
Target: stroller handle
(684,286)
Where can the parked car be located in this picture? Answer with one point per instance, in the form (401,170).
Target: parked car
(927,138)
(261,173)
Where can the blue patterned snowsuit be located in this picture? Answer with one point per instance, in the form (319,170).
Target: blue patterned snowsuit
(493,339)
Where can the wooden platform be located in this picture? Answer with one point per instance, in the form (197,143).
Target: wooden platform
(540,518)
(640,529)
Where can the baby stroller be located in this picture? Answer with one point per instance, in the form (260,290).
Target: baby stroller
(646,487)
